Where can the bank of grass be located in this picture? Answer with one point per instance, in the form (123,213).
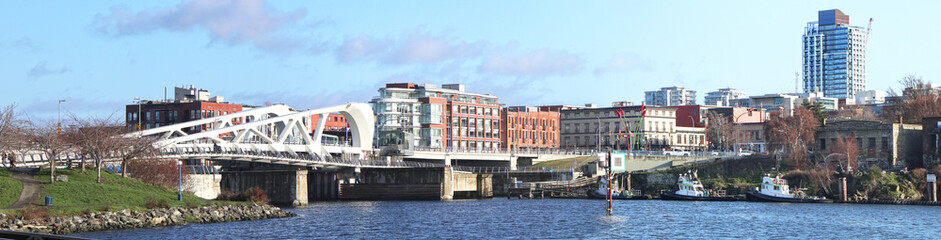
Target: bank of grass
(82,194)
(566,162)
(9,188)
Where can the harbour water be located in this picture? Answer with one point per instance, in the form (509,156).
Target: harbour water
(567,219)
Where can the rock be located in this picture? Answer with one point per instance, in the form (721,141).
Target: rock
(62,178)
(158,221)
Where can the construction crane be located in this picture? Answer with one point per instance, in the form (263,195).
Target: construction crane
(868,30)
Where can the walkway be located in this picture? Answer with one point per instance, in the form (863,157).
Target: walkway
(30,192)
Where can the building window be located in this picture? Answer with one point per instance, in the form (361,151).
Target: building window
(872,143)
(885,143)
(823,144)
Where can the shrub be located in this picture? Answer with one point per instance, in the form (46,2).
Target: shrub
(161,172)
(151,204)
(33,213)
(254,194)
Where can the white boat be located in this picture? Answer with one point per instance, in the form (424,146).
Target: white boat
(602,192)
(776,189)
(689,188)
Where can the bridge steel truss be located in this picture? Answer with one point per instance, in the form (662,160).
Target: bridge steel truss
(275,128)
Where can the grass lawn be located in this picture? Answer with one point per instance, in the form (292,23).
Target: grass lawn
(9,188)
(567,162)
(82,193)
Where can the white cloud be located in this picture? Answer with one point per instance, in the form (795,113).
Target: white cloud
(230,21)
(623,63)
(40,70)
(538,63)
(412,47)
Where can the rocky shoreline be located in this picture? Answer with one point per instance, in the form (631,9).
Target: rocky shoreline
(127,219)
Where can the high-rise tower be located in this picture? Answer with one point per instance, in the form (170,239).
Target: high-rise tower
(834,56)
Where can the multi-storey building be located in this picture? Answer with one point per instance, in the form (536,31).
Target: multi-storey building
(834,55)
(723,96)
(670,96)
(591,127)
(529,128)
(189,104)
(412,115)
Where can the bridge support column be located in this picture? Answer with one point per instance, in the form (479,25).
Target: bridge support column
(513,162)
(283,187)
(447,160)
(447,184)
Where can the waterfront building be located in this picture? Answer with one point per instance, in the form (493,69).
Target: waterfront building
(335,125)
(189,103)
(828,103)
(931,141)
(670,96)
(886,145)
(589,127)
(529,128)
(834,56)
(747,125)
(773,101)
(870,97)
(723,97)
(411,115)
(690,127)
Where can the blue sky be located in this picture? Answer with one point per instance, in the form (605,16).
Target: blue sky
(99,55)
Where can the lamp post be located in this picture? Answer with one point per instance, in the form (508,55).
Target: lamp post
(59,117)
(179,194)
(138,113)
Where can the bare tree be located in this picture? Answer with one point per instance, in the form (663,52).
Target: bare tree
(135,148)
(10,124)
(918,99)
(98,138)
(47,138)
(848,150)
(721,132)
(792,135)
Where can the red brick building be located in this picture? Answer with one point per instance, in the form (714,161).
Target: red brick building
(189,104)
(158,114)
(335,122)
(529,128)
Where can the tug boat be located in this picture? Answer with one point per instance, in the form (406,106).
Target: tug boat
(690,189)
(775,189)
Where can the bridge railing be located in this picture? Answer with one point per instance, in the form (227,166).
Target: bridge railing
(288,157)
(506,169)
(508,151)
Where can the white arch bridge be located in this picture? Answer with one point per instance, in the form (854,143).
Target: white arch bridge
(274,134)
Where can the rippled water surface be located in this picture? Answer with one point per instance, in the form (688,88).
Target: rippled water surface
(568,218)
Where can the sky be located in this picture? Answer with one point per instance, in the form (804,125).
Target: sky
(100,55)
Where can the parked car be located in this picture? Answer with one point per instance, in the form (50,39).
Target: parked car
(676,152)
(743,153)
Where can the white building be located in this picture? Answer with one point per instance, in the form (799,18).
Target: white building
(870,97)
(834,56)
(723,96)
(670,96)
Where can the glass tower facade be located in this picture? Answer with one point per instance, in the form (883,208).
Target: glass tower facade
(834,56)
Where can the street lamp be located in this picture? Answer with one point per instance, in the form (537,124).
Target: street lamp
(138,113)
(179,194)
(59,117)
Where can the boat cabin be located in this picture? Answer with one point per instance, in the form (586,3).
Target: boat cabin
(775,186)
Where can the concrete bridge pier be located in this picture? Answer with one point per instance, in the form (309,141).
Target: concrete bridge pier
(283,187)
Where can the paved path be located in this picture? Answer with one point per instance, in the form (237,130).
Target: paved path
(30,192)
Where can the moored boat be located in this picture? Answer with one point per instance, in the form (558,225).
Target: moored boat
(690,189)
(775,189)
(602,193)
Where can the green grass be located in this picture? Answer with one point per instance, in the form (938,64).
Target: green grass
(566,162)
(82,192)
(9,188)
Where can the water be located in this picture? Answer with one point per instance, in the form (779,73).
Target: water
(568,218)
